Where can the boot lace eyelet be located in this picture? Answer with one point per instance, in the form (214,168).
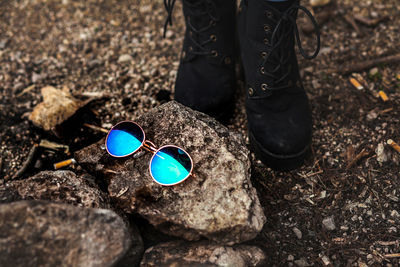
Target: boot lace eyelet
(213,38)
(227,60)
(266,41)
(251,91)
(262,70)
(214,53)
(264,87)
(267,28)
(268,14)
(264,54)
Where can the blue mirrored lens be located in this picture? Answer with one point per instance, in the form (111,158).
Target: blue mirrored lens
(124,139)
(170,165)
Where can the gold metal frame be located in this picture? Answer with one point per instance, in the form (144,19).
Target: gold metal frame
(150,147)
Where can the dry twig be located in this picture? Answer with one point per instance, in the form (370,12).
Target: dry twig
(350,20)
(96,128)
(394,255)
(369,22)
(368,64)
(360,155)
(27,162)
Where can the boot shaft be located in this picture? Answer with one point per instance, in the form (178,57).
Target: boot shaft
(210,30)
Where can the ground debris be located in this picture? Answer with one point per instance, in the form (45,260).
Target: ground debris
(57,106)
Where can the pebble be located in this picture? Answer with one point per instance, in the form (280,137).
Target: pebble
(297,232)
(373,72)
(329,223)
(316,3)
(290,258)
(302,262)
(381,155)
(325,260)
(125,58)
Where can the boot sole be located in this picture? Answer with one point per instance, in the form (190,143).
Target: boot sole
(279,162)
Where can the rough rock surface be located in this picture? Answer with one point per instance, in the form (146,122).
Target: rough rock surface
(180,253)
(39,233)
(58,186)
(219,202)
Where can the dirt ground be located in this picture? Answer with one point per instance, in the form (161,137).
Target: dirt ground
(340,209)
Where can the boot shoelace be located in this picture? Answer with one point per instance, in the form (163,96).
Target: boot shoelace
(198,9)
(169,6)
(286,23)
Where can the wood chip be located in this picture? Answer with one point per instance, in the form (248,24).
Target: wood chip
(63,163)
(394,145)
(356,84)
(383,96)
(52,145)
(394,255)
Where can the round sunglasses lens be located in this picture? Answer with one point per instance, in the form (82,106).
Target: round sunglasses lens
(170,165)
(124,139)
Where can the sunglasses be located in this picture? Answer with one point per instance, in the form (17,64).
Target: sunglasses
(170,165)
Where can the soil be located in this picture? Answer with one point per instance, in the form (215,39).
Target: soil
(341,208)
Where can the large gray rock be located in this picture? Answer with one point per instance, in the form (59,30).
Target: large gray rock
(39,233)
(219,203)
(185,254)
(57,186)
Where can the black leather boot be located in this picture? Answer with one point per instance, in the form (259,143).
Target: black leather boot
(277,107)
(206,75)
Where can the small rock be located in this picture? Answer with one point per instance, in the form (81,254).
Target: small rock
(39,233)
(316,84)
(372,115)
(395,213)
(60,186)
(381,155)
(37,77)
(57,106)
(325,50)
(3,43)
(290,258)
(125,58)
(325,260)
(302,262)
(329,223)
(181,253)
(93,64)
(297,232)
(316,3)
(373,72)
(220,203)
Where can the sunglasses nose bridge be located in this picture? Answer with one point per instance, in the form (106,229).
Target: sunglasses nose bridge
(150,146)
